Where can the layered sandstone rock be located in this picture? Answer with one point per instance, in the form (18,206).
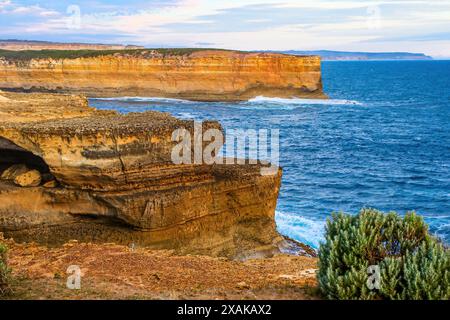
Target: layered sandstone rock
(117,182)
(197,75)
(31,178)
(14,171)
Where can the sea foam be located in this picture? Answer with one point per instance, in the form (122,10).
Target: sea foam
(144,99)
(305,230)
(297,101)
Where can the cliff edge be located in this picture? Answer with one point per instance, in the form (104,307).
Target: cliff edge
(105,177)
(206,75)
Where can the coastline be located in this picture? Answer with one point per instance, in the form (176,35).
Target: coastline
(198,75)
(113,179)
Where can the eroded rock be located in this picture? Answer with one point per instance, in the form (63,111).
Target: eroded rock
(119,184)
(30,178)
(209,75)
(50,184)
(14,171)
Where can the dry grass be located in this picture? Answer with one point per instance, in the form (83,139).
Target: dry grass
(116,272)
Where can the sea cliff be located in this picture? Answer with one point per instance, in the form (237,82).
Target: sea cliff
(207,75)
(105,177)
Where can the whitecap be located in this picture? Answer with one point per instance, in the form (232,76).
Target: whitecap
(305,230)
(143,99)
(185,115)
(298,101)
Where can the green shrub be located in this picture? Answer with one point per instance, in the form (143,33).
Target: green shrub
(411,263)
(4,270)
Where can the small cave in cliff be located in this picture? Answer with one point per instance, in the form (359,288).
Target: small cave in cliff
(11,154)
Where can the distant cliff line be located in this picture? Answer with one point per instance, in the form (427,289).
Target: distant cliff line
(21,45)
(193,74)
(327,55)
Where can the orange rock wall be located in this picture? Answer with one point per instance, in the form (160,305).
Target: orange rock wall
(117,183)
(206,75)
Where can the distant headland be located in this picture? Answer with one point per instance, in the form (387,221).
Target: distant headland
(327,55)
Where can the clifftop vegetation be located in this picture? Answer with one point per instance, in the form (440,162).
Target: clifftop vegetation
(4,270)
(74,54)
(382,256)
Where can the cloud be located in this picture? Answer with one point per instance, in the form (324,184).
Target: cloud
(240,24)
(7,7)
(441,36)
(33,10)
(205,44)
(4,4)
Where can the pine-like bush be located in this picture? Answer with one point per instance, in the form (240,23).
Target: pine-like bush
(4,270)
(408,262)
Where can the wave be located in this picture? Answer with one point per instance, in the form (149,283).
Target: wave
(311,231)
(305,230)
(185,115)
(297,101)
(294,102)
(143,99)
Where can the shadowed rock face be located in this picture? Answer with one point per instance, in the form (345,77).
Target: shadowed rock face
(12,154)
(202,75)
(117,183)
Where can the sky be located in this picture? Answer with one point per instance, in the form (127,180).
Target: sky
(345,25)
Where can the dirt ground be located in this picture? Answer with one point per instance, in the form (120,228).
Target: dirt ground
(110,271)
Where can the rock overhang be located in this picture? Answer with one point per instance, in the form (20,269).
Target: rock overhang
(119,167)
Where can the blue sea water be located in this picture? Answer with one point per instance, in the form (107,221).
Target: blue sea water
(381,141)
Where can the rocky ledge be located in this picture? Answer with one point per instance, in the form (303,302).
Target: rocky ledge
(119,272)
(72,172)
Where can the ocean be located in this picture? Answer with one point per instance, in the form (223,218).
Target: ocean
(382,141)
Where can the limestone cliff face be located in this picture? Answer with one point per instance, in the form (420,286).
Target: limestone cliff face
(201,75)
(117,182)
